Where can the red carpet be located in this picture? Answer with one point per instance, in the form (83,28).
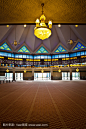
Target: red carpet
(56,104)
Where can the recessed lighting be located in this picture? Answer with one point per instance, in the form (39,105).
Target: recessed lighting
(25,25)
(76,25)
(7,25)
(59,25)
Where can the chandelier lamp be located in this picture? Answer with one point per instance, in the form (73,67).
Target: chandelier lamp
(41,30)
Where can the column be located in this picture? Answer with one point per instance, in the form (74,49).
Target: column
(51,73)
(70,73)
(32,73)
(14,74)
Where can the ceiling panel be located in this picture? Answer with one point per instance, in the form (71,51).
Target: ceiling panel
(26,11)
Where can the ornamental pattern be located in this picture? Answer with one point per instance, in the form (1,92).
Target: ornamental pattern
(42,50)
(79,46)
(60,49)
(5,47)
(24,49)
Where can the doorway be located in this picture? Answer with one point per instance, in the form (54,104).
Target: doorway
(42,76)
(65,75)
(18,76)
(75,75)
(8,76)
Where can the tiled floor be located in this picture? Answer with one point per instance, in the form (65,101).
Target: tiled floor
(56,104)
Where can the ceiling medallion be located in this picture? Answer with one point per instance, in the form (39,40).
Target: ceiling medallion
(41,30)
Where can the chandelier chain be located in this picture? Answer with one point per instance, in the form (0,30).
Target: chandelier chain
(42,7)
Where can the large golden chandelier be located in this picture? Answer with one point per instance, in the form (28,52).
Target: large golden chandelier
(41,30)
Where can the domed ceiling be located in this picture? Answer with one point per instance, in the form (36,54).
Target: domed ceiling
(25,36)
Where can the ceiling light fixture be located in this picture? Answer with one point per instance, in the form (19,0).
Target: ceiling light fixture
(7,70)
(15,42)
(25,25)
(77,70)
(42,70)
(76,25)
(70,41)
(59,25)
(7,25)
(25,71)
(59,70)
(41,30)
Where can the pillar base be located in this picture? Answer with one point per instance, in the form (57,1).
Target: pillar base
(13,80)
(70,78)
(51,77)
(32,78)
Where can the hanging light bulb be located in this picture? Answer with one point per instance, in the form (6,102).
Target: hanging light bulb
(50,24)
(37,22)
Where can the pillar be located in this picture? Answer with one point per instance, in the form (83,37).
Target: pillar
(14,74)
(70,73)
(32,73)
(51,73)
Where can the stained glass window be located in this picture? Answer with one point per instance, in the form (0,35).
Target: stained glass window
(56,56)
(53,56)
(5,47)
(24,56)
(79,46)
(24,49)
(85,52)
(63,55)
(42,50)
(42,56)
(60,49)
(67,55)
(82,53)
(78,53)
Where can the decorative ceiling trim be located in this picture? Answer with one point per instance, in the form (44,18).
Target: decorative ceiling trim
(7,44)
(42,45)
(24,49)
(42,50)
(24,44)
(76,44)
(53,52)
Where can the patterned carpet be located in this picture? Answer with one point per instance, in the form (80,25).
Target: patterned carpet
(43,105)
